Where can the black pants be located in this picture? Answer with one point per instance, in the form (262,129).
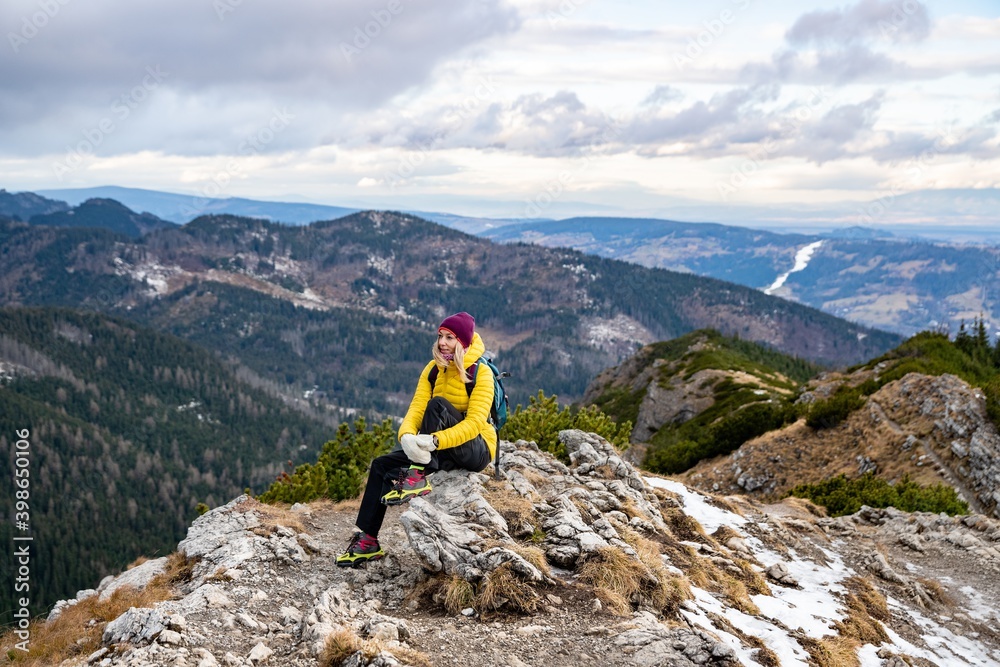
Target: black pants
(473,455)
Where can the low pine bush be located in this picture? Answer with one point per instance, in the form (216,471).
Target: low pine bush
(542,420)
(841,496)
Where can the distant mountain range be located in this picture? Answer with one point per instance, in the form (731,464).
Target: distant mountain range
(298,304)
(875,276)
(952,215)
(864,275)
(179,208)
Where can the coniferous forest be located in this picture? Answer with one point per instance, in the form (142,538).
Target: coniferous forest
(129,430)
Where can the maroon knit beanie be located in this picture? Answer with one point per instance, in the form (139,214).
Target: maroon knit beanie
(462,325)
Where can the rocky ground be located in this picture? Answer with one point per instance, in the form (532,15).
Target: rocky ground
(717,581)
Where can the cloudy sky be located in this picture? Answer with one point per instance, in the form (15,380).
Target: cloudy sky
(512,108)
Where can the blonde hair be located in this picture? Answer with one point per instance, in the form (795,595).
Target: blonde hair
(459,361)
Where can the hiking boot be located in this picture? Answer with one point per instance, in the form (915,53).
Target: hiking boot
(412,482)
(363,548)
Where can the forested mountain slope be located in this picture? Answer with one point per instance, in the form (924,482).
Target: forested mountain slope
(129,429)
(349,305)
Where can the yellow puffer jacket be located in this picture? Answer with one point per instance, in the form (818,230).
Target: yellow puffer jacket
(449,385)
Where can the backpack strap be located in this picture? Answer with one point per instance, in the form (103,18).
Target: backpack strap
(432,377)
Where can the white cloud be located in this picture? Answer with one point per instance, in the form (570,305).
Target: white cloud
(450,99)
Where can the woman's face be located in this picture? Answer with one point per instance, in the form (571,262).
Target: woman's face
(447,342)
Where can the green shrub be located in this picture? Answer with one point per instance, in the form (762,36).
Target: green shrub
(679,448)
(339,470)
(832,411)
(745,424)
(542,420)
(841,496)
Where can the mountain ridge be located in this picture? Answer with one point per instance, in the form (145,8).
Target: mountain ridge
(536,304)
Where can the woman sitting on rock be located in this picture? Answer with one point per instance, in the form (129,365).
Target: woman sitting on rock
(445,428)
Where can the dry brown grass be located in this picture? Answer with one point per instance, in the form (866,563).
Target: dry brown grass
(841,651)
(724,504)
(137,562)
(516,510)
(584,508)
(735,592)
(804,506)
(77,630)
(685,558)
(537,479)
(724,533)
(671,590)
(684,527)
(669,498)
(503,589)
(936,591)
(865,608)
(272,516)
(703,573)
(459,594)
(616,578)
(342,643)
(329,505)
(754,581)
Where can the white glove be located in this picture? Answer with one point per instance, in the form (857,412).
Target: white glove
(413,450)
(425,441)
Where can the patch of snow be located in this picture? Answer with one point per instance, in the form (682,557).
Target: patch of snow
(868,656)
(381,264)
(619,329)
(802,258)
(944,647)
(697,506)
(814,607)
(579,270)
(979,607)
(785,646)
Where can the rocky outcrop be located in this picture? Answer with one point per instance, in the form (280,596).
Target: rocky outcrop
(667,391)
(588,562)
(932,428)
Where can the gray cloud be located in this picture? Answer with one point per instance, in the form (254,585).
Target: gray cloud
(739,122)
(895,20)
(836,46)
(853,63)
(229,64)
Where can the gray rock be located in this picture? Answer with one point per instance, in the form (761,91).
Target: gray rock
(136,626)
